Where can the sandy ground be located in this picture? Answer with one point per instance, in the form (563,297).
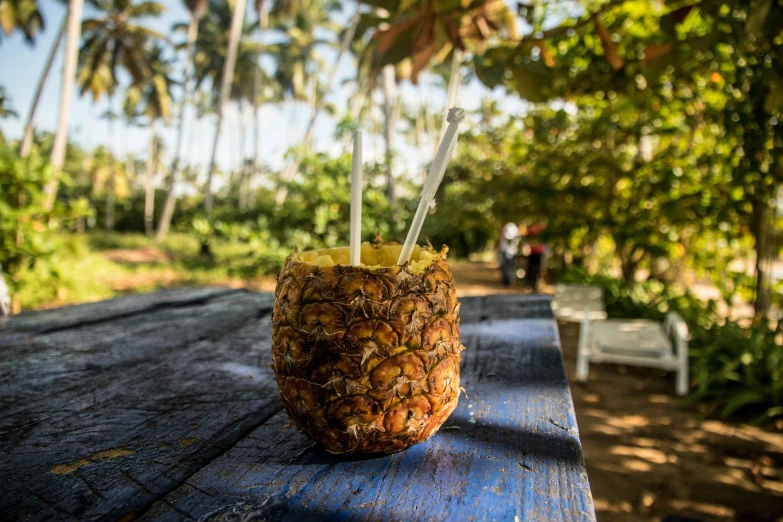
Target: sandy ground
(651,455)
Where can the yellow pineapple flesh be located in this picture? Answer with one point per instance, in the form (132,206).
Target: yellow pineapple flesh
(367,357)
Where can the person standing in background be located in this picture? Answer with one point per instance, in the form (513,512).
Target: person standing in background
(535,251)
(508,246)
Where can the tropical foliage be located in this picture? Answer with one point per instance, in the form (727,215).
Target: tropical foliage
(22,15)
(29,242)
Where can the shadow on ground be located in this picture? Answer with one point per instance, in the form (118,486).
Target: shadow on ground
(650,455)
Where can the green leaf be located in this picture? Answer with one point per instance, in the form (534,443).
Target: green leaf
(534,80)
(742,400)
(670,20)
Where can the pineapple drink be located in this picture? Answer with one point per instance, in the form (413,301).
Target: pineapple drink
(367,357)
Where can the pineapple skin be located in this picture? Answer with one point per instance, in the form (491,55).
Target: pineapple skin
(367,359)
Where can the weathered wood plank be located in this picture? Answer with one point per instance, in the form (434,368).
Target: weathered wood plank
(471,308)
(510,306)
(101,420)
(509,452)
(91,313)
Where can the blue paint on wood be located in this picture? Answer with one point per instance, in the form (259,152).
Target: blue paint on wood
(509,452)
(180,378)
(103,415)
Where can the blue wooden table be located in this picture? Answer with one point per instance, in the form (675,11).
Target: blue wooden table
(162,407)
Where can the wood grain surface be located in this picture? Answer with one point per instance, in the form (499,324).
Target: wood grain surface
(162,407)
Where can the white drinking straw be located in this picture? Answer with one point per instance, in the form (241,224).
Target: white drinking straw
(432,182)
(356,200)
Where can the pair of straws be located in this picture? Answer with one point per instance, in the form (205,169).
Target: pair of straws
(431,184)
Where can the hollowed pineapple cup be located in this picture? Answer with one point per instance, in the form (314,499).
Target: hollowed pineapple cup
(367,357)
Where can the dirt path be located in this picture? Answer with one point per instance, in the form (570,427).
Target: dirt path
(478,278)
(650,455)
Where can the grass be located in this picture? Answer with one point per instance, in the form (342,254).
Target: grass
(99,266)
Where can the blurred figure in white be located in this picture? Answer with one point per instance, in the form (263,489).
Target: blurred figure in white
(5,295)
(508,246)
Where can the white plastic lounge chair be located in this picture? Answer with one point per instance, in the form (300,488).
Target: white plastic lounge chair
(572,302)
(636,342)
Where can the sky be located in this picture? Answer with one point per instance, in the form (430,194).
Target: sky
(281,126)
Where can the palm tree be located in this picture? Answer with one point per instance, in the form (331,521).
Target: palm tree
(27,141)
(111,41)
(248,75)
(115,40)
(196,10)
(155,150)
(262,10)
(130,119)
(237,23)
(211,57)
(24,15)
(66,92)
(345,43)
(204,105)
(439,34)
(268,92)
(107,175)
(111,187)
(152,99)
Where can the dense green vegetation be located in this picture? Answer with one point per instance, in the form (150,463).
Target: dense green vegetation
(651,148)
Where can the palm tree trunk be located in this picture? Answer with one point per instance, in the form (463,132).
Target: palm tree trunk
(421,135)
(149,189)
(418,127)
(312,87)
(111,189)
(429,114)
(168,207)
(242,171)
(429,120)
(27,142)
(130,172)
(455,82)
(111,199)
(290,170)
(263,22)
(760,221)
(391,113)
(251,196)
(66,92)
(358,99)
(237,21)
(374,126)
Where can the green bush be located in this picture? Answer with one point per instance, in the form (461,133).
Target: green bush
(259,253)
(316,213)
(739,371)
(29,234)
(650,299)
